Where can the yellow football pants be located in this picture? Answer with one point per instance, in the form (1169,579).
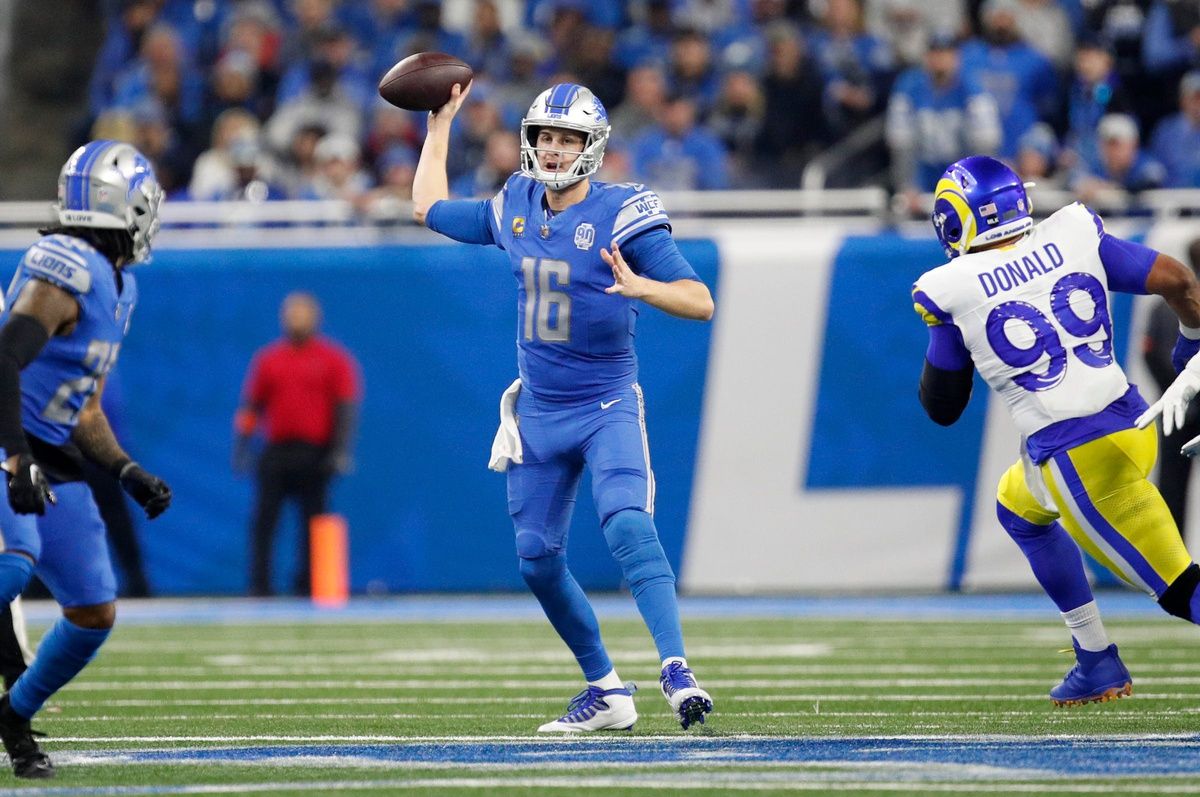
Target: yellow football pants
(1104,500)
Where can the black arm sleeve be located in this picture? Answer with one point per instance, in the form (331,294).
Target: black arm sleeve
(944,394)
(1161,334)
(22,338)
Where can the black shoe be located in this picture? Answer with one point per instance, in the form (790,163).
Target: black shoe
(28,760)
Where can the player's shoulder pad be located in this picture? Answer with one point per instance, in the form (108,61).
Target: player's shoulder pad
(927,297)
(517,187)
(64,261)
(638,208)
(1077,219)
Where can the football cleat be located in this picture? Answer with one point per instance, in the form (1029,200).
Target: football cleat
(596,709)
(689,702)
(28,760)
(1097,677)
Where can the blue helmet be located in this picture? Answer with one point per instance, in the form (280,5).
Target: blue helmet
(977,201)
(110,185)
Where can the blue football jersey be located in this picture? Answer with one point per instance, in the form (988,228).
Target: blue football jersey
(574,341)
(55,386)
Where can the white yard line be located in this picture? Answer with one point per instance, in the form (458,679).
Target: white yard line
(263,666)
(808,697)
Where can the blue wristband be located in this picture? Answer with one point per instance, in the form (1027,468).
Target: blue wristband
(1185,349)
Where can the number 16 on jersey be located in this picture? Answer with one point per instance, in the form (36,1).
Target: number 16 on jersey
(547,311)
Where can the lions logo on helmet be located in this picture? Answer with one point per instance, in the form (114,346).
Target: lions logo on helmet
(978,201)
(110,185)
(572,107)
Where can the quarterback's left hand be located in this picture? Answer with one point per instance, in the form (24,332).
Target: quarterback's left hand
(625,282)
(151,492)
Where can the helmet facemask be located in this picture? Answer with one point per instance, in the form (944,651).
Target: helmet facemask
(145,197)
(587,161)
(565,106)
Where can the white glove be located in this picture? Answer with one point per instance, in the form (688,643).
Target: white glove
(1175,399)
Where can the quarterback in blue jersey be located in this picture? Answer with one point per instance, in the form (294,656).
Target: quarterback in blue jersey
(581,253)
(1028,307)
(67,313)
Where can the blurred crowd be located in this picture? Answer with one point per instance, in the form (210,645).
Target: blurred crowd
(276,99)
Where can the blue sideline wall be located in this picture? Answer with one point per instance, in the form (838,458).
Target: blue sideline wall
(434,329)
(786,436)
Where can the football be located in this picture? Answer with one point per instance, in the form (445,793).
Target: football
(423,81)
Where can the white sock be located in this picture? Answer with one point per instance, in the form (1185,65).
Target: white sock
(670,659)
(1087,628)
(610,681)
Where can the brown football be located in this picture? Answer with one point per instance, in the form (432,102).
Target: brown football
(422,82)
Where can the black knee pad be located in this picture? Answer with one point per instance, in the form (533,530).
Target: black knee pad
(1177,599)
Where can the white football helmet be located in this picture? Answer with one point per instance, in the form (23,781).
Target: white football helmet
(109,185)
(573,107)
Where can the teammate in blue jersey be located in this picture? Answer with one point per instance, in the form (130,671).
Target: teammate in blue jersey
(581,253)
(67,313)
(1028,306)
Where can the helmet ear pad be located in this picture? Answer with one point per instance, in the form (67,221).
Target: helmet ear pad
(946,222)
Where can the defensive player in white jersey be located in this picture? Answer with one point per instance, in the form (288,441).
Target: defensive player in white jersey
(1028,306)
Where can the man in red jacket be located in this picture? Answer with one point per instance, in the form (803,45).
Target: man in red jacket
(304,389)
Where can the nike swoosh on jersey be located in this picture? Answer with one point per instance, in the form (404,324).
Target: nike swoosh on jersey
(606,404)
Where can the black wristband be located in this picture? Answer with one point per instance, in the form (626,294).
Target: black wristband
(117,469)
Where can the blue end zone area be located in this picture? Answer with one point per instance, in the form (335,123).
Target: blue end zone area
(991,758)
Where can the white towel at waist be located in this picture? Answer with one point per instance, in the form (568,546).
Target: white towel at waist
(506,447)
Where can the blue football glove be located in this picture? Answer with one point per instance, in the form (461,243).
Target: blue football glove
(1185,349)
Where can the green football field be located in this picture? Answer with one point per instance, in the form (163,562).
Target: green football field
(810,697)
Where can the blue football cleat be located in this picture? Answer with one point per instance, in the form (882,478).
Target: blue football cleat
(689,702)
(1097,677)
(596,709)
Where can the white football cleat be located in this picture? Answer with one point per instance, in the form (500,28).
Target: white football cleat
(596,709)
(689,702)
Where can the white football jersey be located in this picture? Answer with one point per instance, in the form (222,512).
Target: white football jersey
(1036,318)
